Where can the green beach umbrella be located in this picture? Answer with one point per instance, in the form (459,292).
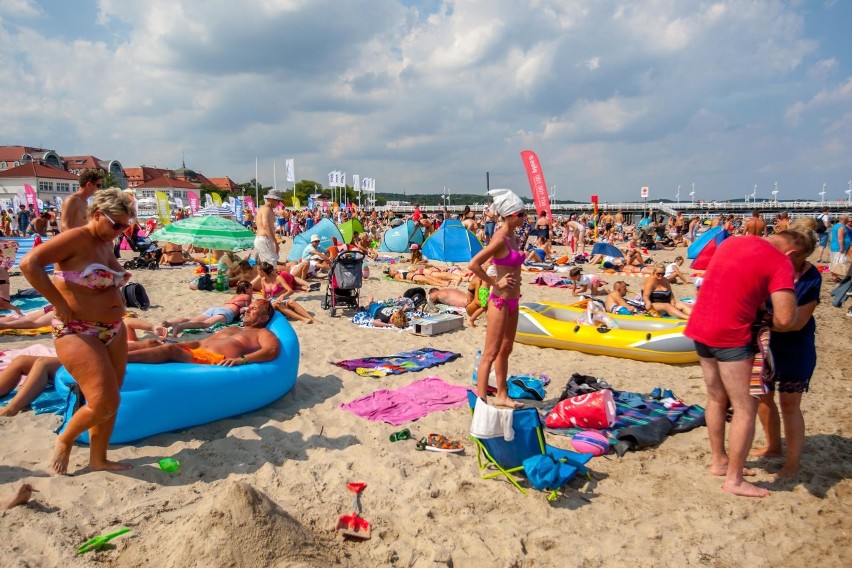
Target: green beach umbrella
(206,232)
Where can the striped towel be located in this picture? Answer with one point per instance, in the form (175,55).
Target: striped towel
(763,368)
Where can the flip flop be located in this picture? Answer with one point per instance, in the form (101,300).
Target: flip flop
(439,443)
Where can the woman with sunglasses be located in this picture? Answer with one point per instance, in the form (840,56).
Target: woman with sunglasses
(90,337)
(504,299)
(659,296)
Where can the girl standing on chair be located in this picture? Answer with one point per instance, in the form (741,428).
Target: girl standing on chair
(504,299)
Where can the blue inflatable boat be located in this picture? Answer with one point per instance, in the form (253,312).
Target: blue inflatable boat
(172,396)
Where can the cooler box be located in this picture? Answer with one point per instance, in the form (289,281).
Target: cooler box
(437,324)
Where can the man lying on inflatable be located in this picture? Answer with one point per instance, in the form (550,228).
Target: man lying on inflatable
(252,343)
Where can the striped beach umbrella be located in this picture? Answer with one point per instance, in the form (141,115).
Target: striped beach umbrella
(218,210)
(206,232)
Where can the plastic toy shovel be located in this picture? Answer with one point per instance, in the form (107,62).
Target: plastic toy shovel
(354,526)
(100,541)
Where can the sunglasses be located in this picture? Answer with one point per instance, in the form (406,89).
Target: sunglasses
(115,226)
(520,214)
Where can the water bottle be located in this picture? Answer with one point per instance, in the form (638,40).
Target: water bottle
(170,465)
(221,283)
(476,365)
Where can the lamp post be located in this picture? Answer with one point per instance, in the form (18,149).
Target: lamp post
(822,194)
(677,195)
(775,193)
(692,193)
(754,194)
(848,192)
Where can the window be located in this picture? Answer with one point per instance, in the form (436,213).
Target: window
(45,186)
(63,187)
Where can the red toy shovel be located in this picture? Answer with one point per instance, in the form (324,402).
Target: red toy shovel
(354,526)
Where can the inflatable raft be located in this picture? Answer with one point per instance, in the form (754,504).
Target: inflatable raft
(657,340)
(172,396)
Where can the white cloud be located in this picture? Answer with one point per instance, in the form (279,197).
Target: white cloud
(420,97)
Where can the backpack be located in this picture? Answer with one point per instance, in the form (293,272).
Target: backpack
(135,296)
(205,282)
(416,295)
(820,225)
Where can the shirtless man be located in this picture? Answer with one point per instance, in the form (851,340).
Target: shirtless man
(74,207)
(252,343)
(755,226)
(614,301)
(264,242)
(448,297)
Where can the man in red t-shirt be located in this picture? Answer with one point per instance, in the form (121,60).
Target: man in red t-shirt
(415,216)
(743,273)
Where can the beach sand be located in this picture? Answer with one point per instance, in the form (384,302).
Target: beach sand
(266,488)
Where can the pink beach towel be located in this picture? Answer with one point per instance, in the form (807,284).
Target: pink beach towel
(409,402)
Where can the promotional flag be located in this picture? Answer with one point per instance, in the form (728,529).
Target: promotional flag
(32,199)
(233,201)
(208,201)
(297,204)
(289,164)
(164,211)
(356,182)
(217,199)
(250,205)
(537,183)
(310,203)
(238,209)
(192,197)
(342,179)
(16,203)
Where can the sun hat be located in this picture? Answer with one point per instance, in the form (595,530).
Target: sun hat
(315,238)
(274,194)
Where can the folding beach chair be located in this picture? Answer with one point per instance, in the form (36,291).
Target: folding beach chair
(508,457)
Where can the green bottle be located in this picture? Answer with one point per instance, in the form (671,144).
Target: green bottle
(170,465)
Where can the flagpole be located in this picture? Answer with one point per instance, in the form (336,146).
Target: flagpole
(274,176)
(256,200)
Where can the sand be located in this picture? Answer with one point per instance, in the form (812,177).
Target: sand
(266,488)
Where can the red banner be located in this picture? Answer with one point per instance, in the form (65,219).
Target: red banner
(537,184)
(32,198)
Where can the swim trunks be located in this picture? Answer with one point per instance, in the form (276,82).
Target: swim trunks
(224,312)
(204,356)
(265,249)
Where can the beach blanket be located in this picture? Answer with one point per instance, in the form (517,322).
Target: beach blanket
(408,403)
(553,280)
(33,331)
(48,400)
(26,304)
(644,422)
(363,319)
(407,361)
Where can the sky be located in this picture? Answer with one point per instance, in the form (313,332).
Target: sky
(423,95)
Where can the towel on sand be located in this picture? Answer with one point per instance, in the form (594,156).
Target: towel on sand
(404,362)
(408,403)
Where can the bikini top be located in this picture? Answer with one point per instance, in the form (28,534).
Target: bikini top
(242,301)
(95,276)
(514,258)
(273,290)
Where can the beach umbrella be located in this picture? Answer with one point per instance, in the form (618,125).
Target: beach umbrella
(607,249)
(217,210)
(206,232)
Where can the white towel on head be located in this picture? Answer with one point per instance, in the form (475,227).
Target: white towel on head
(491,422)
(506,202)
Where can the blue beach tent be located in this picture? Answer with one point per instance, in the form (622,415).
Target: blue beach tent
(452,242)
(325,229)
(399,239)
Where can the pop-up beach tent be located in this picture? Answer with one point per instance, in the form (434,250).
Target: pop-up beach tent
(399,239)
(349,228)
(701,251)
(452,242)
(325,229)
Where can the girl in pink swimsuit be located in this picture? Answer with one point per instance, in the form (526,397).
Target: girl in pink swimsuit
(502,314)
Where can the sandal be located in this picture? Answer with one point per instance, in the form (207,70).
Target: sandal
(439,443)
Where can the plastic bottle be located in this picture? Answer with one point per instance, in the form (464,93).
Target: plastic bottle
(476,365)
(221,284)
(170,465)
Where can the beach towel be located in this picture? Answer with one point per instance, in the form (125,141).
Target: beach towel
(408,403)
(645,424)
(34,331)
(407,361)
(491,422)
(26,304)
(552,280)
(763,368)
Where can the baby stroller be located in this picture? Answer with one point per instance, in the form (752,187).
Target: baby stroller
(645,236)
(149,253)
(344,281)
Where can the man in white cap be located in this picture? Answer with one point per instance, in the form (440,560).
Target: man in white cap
(317,257)
(264,243)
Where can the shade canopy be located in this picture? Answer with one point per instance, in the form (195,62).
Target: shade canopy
(607,249)
(206,232)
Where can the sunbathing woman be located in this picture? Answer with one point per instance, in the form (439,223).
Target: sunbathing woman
(541,252)
(659,296)
(420,276)
(227,314)
(30,320)
(38,371)
(278,287)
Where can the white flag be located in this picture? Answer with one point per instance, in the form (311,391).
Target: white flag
(289,164)
(356,182)
(332,179)
(208,201)
(342,179)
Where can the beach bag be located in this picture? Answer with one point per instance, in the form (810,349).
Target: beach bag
(202,282)
(840,264)
(592,410)
(135,296)
(416,295)
(524,386)
(546,473)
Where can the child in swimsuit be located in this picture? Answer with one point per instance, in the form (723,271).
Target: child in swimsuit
(583,283)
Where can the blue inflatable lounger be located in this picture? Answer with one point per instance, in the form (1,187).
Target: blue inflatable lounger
(158,398)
